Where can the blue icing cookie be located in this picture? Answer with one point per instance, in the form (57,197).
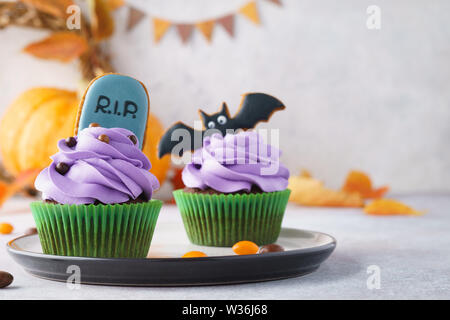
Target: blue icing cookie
(116,101)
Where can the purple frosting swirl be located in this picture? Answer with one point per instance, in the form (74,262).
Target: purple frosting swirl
(236,162)
(113,172)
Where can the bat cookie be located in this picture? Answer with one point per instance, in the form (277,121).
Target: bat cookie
(255,107)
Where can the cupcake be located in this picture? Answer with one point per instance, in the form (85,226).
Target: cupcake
(97,197)
(235,190)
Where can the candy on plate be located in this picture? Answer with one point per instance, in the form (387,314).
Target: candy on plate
(245,247)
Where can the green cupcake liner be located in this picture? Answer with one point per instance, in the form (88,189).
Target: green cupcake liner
(102,231)
(221,220)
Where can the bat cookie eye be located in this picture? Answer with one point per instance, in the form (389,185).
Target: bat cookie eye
(211,125)
(221,120)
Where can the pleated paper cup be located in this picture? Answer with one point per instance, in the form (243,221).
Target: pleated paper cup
(102,231)
(221,220)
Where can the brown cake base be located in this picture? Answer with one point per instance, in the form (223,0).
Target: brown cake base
(254,189)
(139,199)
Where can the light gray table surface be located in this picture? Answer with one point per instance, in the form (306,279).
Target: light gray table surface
(412,254)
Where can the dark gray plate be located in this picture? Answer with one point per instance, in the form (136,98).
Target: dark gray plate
(305,251)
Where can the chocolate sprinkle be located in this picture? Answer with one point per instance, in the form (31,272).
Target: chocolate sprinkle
(133,139)
(62,168)
(71,142)
(94,124)
(104,138)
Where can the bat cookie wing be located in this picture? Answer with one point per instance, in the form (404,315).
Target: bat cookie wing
(176,134)
(256,107)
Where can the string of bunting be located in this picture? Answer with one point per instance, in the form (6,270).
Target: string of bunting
(206,27)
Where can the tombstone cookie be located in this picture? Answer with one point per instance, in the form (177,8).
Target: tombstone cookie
(115,101)
(97,192)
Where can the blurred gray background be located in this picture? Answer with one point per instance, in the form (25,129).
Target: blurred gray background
(374,100)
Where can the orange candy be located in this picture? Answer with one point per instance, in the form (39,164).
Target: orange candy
(245,247)
(6,228)
(194,254)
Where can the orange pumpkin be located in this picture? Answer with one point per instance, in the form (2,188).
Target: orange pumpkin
(155,130)
(33,124)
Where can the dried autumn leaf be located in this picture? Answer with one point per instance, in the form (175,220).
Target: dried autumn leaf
(358,181)
(305,173)
(308,191)
(115,4)
(384,207)
(62,46)
(4,192)
(102,23)
(57,8)
(23,180)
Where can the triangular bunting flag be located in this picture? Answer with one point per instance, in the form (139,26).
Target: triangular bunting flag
(277,2)
(184,30)
(134,17)
(250,11)
(227,23)
(206,28)
(160,28)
